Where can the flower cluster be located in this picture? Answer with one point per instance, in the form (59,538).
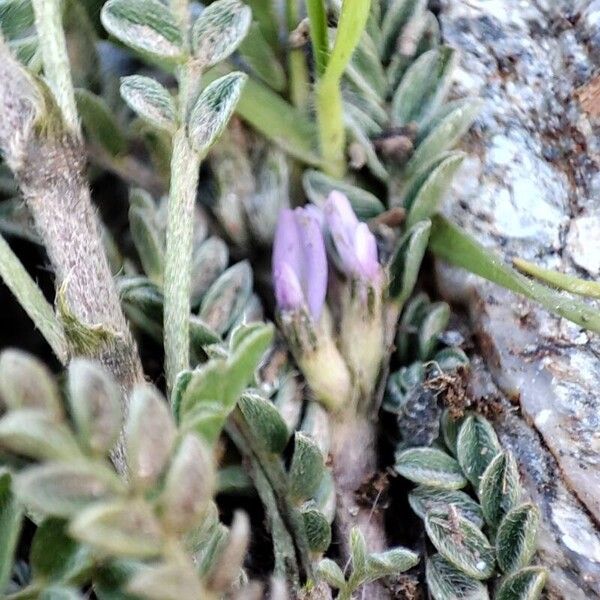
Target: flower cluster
(339,357)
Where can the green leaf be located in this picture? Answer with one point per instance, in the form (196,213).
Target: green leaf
(60,592)
(457,247)
(146,235)
(219,30)
(443,137)
(260,57)
(307,468)
(265,422)
(95,402)
(429,466)
(450,359)
(476,446)
(460,542)
(207,419)
(516,537)
(99,122)
(150,100)
(25,382)
(394,19)
(390,563)
(126,528)
(424,499)
(526,584)
(210,260)
(16,17)
(450,429)
(428,199)
(63,489)
(245,358)
(424,86)
(11,517)
(318,186)
(56,556)
(358,553)
(36,435)
(149,435)
(433,324)
(318,529)
(207,383)
(446,582)
(189,485)
(144,25)
(499,489)
(213,109)
(329,572)
(166,582)
(406,261)
(227,297)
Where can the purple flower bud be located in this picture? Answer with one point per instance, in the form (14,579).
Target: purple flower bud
(299,262)
(354,243)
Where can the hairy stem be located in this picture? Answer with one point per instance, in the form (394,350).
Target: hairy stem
(32,300)
(53,46)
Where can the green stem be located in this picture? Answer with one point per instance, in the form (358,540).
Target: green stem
(449,242)
(317,19)
(30,297)
(286,565)
(561,281)
(53,46)
(298,70)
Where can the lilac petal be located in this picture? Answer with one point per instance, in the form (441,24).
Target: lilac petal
(288,292)
(343,241)
(339,203)
(286,244)
(365,247)
(314,273)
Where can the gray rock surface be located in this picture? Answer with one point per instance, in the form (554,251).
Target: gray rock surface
(532,189)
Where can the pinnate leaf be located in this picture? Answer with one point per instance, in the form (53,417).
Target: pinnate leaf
(430,466)
(150,100)
(526,584)
(476,446)
(499,489)
(516,537)
(446,582)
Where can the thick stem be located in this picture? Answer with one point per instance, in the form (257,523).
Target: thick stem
(185,165)
(354,455)
(53,46)
(32,300)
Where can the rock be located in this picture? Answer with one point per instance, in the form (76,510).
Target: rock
(531,189)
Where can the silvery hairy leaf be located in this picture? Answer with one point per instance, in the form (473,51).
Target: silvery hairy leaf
(427,200)
(149,435)
(147,237)
(227,297)
(430,466)
(526,584)
(125,528)
(166,582)
(150,100)
(450,428)
(34,434)
(460,542)
(358,553)
(144,25)
(209,261)
(476,446)
(450,359)
(317,528)
(406,262)
(411,318)
(95,401)
(227,566)
(424,86)
(499,489)
(16,16)
(433,324)
(446,582)
(213,109)
(443,137)
(99,122)
(318,186)
(330,572)
(63,489)
(11,517)
(219,30)
(516,537)
(265,422)
(397,15)
(26,382)
(424,499)
(189,485)
(60,592)
(389,563)
(307,468)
